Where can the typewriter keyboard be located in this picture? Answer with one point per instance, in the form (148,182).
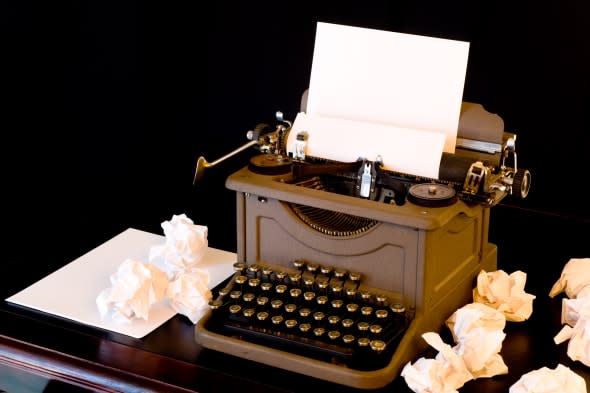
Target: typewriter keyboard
(309,310)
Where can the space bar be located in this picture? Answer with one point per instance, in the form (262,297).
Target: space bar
(289,342)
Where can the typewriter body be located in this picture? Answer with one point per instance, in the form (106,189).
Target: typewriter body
(397,245)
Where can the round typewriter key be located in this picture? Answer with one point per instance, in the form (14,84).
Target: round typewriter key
(290,323)
(266,286)
(277,319)
(350,292)
(348,339)
(333,319)
(281,288)
(322,283)
(235,308)
(305,327)
(375,329)
(249,297)
(295,278)
(239,266)
(363,342)
(347,323)
(266,272)
(318,315)
(224,291)
(241,279)
(377,345)
(248,312)
(326,270)
(321,300)
(295,292)
(254,282)
(354,276)
(309,296)
(290,308)
(318,332)
(381,314)
(334,334)
(366,295)
(280,275)
(352,307)
(363,326)
(340,273)
(381,299)
(304,312)
(235,294)
(366,311)
(398,308)
(276,304)
(312,267)
(299,264)
(254,268)
(215,304)
(308,281)
(262,316)
(262,300)
(337,289)
(337,304)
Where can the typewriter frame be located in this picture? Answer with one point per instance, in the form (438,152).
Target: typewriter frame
(429,256)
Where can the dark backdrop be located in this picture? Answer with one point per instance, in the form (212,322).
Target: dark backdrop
(108,105)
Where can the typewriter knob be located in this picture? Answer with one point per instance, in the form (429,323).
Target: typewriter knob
(521,183)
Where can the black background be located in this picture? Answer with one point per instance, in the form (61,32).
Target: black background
(107,106)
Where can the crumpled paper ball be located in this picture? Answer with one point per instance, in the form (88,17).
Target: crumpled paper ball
(184,248)
(135,287)
(189,294)
(546,380)
(478,331)
(444,374)
(505,293)
(574,280)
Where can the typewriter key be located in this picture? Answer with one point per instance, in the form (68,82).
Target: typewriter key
(305,327)
(295,278)
(312,267)
(375,329)
(249,297)
(277,319)
(352,307)
(334,335)
(318,332)
(398,308)
(239,266)
(241,279)
(304,312)
(276,304)
(290,308)
(308,281)
(248,312)
(347,323)
(333,319)
(381,314)
(262,300)
(235,294)
(340,273)
(266,286)
(266,272)
(366,311)
(363,342)
(363,326)
(366,295)
(319,316)
(326,270)
(224,291)
(337,304)
(235,308)
(348,339)
(254,268)
(280,275)
(351,292)
(215,304)
(280,289)
(254,282)
(354,276)
(309,296)
(378,345)
(290,323)
(295,293)
(262,316)
(299,264)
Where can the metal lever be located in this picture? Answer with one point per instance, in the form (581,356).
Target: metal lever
(202,163)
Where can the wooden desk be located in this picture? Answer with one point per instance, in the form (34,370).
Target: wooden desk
(169,360)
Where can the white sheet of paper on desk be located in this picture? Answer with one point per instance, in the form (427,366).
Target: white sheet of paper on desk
(388,78)
(70,292)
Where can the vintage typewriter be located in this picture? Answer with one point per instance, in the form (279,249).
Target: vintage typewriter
(343,265)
